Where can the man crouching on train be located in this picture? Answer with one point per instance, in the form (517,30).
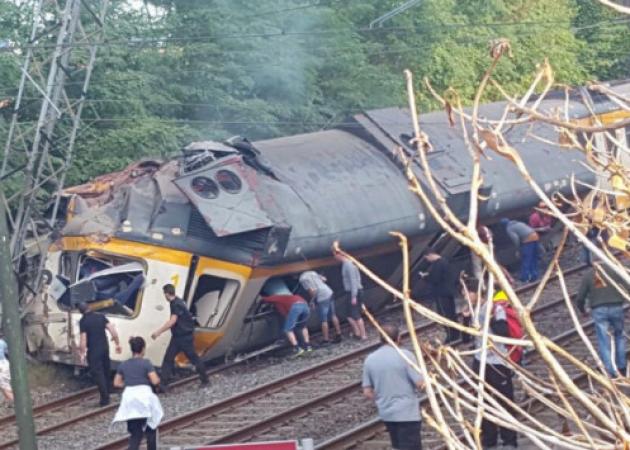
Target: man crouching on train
(182,326)
(296,312)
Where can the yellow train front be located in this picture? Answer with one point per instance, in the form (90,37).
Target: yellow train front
(224,219)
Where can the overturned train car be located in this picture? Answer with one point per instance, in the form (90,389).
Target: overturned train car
(224,219)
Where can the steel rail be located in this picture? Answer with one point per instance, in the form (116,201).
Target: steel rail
(246,397)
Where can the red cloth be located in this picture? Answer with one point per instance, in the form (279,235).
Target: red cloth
(539,220)
(284,302)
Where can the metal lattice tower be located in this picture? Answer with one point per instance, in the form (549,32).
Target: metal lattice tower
(56,66)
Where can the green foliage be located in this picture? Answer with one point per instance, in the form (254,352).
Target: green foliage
(208,70)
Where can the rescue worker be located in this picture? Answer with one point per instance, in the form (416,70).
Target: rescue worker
(94,346)
(498,373)
(322,296)
(351,278)
(181,323)
(296,312)
(393,385)
(606,304)
(139,406)
(5,372)
(526,238)
(443,285)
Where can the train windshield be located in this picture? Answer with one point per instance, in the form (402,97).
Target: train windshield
(109,284)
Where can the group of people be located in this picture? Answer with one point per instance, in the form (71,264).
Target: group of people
(393,384)
(296,311)
(139,407)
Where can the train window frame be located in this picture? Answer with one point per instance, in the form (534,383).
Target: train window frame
(234,177)
(74,278)
(193,299)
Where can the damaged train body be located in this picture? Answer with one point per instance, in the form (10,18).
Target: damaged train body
(226,220)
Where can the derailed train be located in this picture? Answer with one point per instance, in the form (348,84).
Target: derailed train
(224,219)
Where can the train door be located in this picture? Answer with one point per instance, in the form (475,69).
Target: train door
(212,298)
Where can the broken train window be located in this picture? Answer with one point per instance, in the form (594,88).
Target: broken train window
(212,300)
(107,283)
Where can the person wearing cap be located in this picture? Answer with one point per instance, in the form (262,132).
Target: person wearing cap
(526,238)
(94,348)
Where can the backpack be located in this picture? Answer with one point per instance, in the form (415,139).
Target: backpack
(185,324)
(515,328)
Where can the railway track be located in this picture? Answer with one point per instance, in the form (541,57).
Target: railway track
(372,435)
(305,404)
(73,409)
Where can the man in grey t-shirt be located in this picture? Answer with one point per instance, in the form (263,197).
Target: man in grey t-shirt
(320,292)
(393,384)
(351,278)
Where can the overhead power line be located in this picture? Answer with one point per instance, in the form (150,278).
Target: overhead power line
(133,41)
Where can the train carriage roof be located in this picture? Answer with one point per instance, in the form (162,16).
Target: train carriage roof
(290,197)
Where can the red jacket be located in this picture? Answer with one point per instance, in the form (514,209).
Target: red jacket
(283,302)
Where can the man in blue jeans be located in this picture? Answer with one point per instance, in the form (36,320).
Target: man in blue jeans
(526,238)
(606,304)
(322,294)
(296,312)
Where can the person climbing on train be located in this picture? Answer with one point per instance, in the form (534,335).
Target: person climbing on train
(351,278)
(393,384)
(296,312)
(606,304)
(139,406)
(181,323)
(442,283)
(94,348)
(322,296)
(5,372)
(526,238)
(498,372)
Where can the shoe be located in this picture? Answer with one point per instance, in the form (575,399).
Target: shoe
(162,389)
(325,343)
(337,339)
(103,403)
(308,349)
(297,351)
(204,383)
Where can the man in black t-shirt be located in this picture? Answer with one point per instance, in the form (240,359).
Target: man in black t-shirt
(443,283)
(182,326)
(95,349)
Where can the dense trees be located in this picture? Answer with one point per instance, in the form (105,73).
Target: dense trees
(172,71)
